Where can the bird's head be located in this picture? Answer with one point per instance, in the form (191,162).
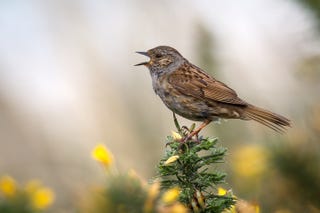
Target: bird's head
(161,58)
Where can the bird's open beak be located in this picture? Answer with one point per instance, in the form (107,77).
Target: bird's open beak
(143,63)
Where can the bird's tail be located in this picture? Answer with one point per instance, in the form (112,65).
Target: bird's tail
(267,118)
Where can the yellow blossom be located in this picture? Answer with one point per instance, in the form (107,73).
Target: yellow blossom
(257,208)
(8,186)
(101,154)
(153,192)
(42,198)
(175,135)
(171,159)
(171,195)
(222,191)
(251,161)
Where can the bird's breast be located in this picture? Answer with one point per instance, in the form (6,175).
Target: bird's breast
(186,106)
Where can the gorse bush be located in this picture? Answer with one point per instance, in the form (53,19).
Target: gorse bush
(188,179)
(192,167)
(32,198)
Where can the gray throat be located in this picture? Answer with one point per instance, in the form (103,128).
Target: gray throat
(156,71)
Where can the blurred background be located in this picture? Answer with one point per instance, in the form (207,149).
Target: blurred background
(67,82)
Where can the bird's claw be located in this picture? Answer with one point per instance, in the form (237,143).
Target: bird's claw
(189,137)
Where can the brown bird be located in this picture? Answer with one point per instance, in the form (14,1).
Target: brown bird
(191,93)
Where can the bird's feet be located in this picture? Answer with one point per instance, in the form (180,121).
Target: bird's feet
(186,135)
(189,137)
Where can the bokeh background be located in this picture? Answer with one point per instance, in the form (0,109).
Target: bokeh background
(67,82)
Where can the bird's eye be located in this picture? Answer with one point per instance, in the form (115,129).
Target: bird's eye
(158,55)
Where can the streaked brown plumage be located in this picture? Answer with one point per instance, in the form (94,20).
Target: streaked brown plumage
(190,92)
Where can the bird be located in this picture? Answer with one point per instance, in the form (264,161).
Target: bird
(190,92)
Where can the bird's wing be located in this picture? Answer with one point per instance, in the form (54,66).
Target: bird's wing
(190,80)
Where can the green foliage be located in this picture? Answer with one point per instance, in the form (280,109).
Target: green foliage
(287,159)
(123,193)
(20,203)
(32,198)
(194,172)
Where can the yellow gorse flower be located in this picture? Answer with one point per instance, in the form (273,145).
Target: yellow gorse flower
(153,192)
(101,154)
(41,197)
(257,208)
(8,186)
(222,191)
(175,135)
(171,159)
(171,195)
(251,161)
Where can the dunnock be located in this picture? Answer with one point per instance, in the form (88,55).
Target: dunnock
(191,93)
